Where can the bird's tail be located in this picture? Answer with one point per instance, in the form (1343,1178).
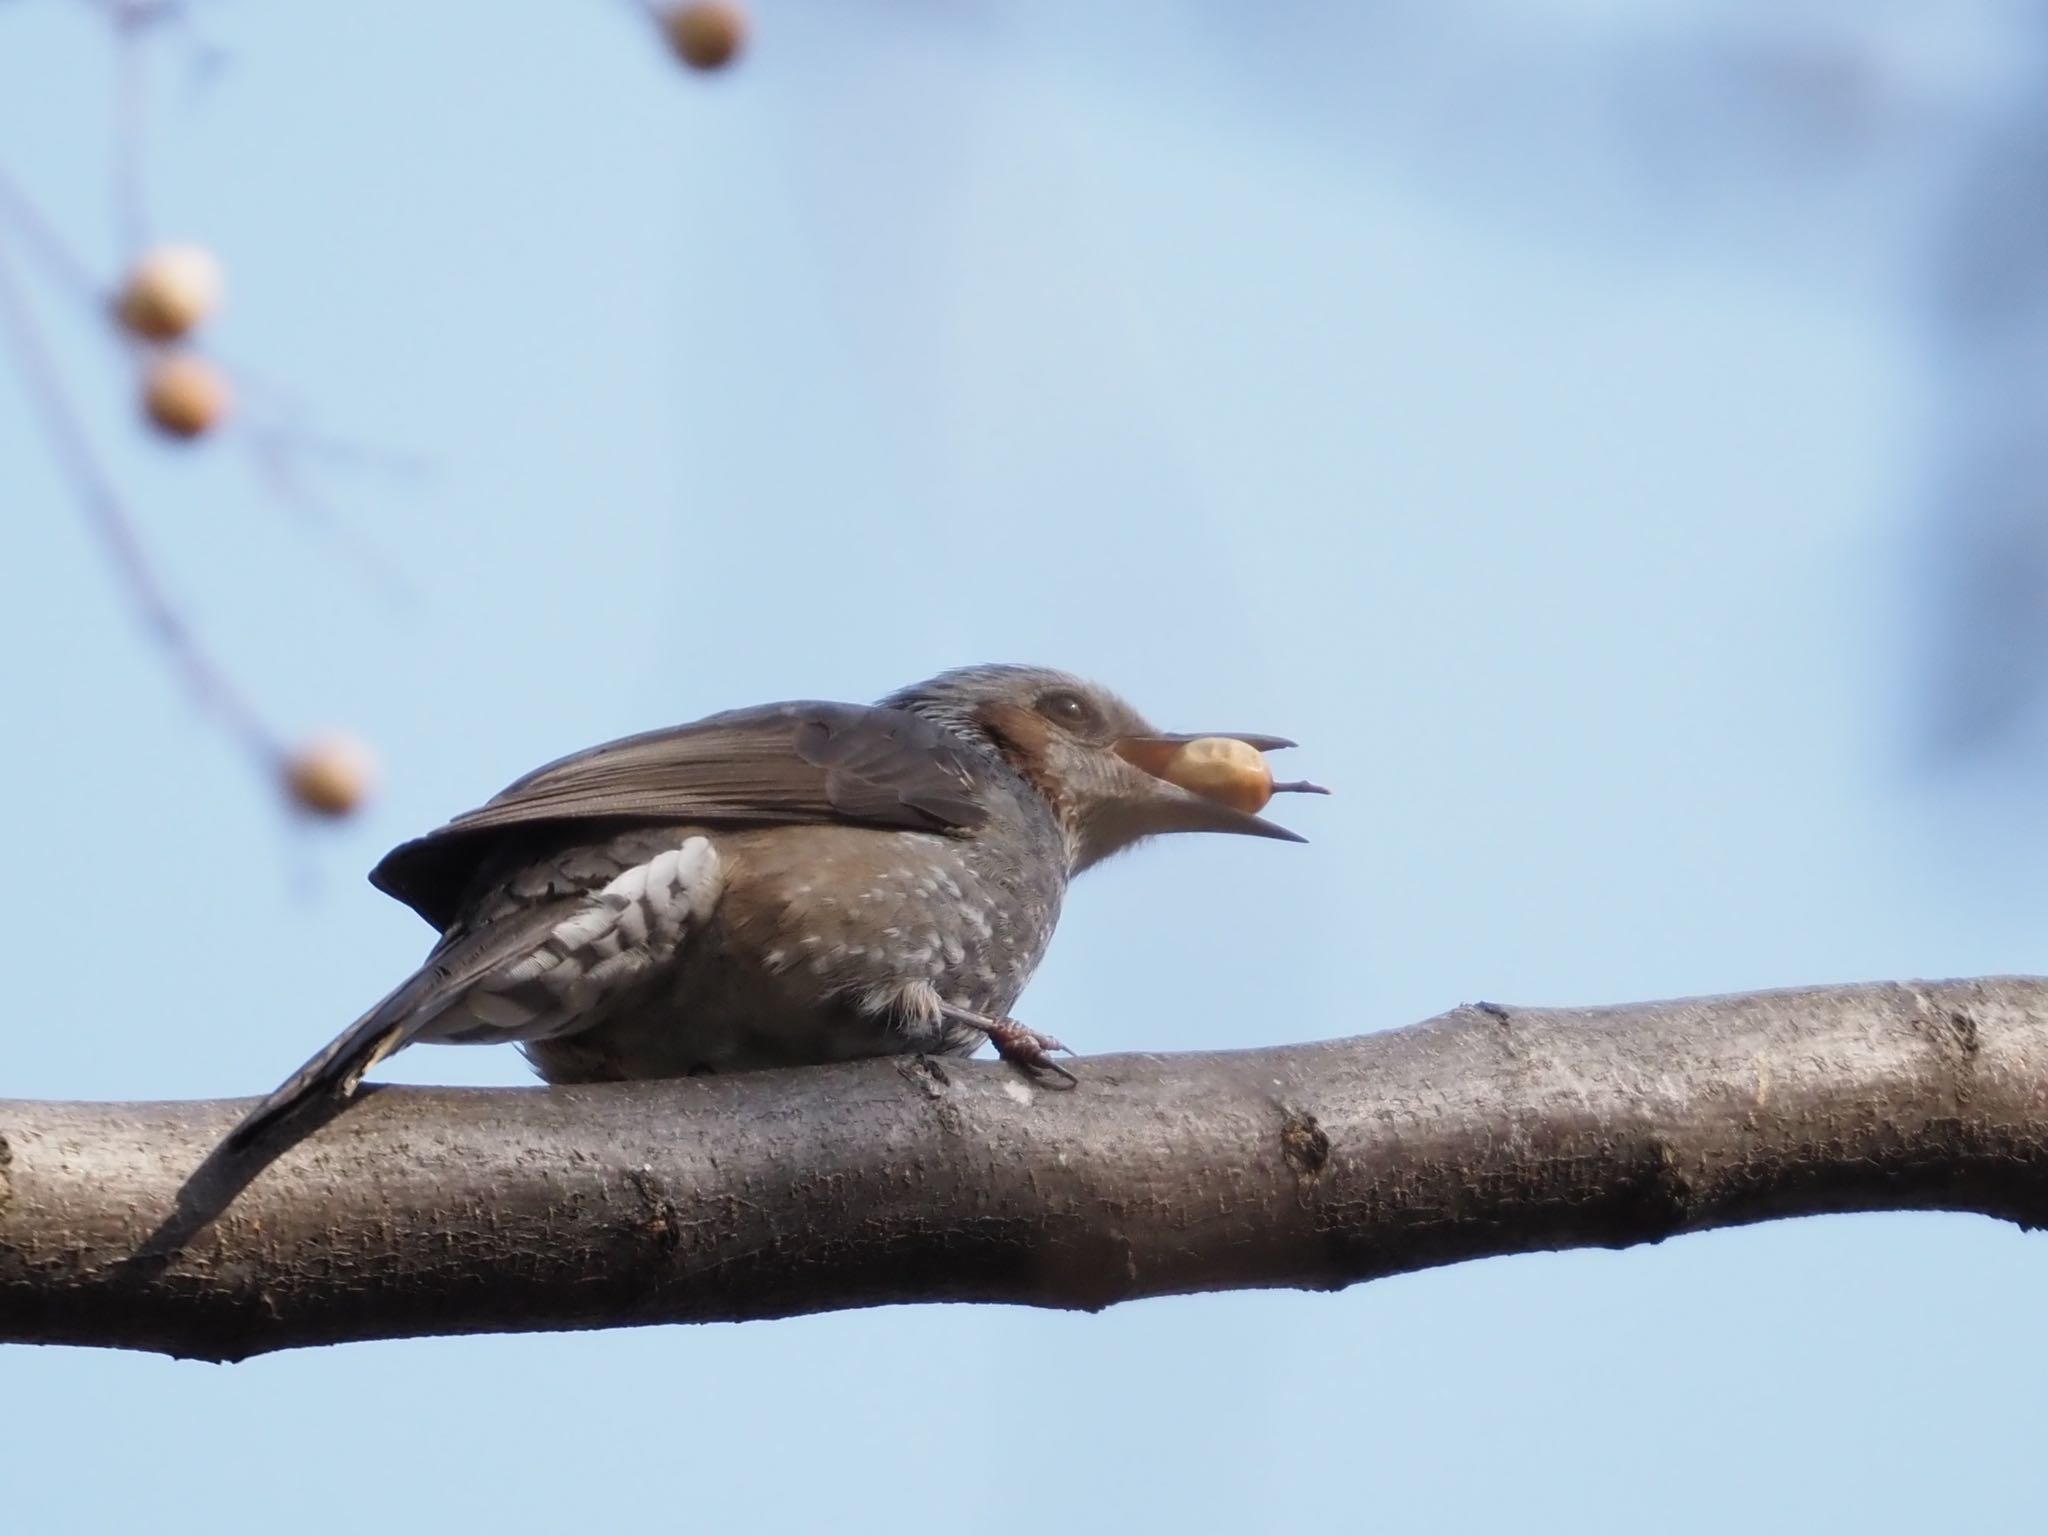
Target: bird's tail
(338,1067)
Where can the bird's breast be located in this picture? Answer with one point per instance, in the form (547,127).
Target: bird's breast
(850,910)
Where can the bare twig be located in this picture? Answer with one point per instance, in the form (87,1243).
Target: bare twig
(131,126)
(18,210)
(1487,1131)
(275,455)
(108,516)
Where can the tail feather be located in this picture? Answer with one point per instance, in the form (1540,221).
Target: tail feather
(527,975)
(338,1067)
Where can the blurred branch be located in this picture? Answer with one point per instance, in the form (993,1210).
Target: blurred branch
(115,529)
(1486,1131)
(167,293)
(131,123)
(20,217)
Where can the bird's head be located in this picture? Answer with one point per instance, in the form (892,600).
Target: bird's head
(1107,774)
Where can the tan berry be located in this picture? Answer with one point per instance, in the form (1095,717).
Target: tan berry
(185,395)
(330,775)
(1218,768)
(169,291)
(707,34)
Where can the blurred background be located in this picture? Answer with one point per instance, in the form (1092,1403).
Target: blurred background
(1608,441)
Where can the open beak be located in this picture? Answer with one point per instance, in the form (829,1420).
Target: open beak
(1183,810)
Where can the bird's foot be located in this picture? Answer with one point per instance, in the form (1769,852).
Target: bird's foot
(1026,1047)
(1016,1044)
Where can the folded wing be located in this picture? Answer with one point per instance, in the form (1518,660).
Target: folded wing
(805,762)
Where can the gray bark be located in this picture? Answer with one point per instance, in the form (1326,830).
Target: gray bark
(1486,1131)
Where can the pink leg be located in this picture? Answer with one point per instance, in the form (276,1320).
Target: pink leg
(1015,1044)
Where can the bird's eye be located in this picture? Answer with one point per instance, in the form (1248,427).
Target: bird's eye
(1065,707)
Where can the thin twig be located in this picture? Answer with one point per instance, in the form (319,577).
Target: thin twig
(274,456)
(108,516)
(43,241)
(131,128)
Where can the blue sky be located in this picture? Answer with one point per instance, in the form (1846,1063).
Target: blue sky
(1570,511)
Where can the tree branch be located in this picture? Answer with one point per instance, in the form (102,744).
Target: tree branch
(1486,1131)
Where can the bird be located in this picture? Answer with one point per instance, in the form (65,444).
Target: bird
(784,885)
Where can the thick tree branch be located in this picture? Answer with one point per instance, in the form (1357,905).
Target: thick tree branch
(1486,1131)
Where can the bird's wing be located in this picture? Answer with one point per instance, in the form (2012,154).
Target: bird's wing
(807,762)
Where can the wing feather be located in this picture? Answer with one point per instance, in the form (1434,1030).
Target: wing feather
(853,764)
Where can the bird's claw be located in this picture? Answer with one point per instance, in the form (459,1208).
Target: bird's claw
(1028,1048)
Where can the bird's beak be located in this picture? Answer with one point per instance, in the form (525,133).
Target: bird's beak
(1160,746)
(1173,808)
